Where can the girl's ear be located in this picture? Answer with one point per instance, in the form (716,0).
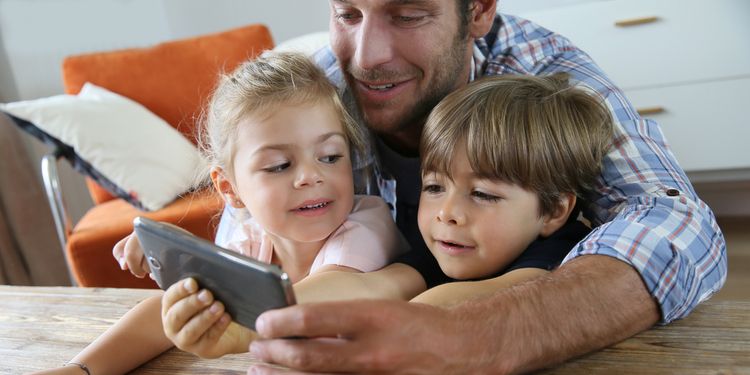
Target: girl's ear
(555,220)
(482,16)
(225,188)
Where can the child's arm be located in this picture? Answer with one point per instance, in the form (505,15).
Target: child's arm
(130,342)
(395,281)
(455,292)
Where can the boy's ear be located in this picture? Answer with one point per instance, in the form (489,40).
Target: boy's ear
(225,188)
(555,220)
(482,15)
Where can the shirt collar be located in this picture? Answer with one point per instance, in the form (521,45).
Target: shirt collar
(478,61)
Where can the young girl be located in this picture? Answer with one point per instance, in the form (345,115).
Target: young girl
(278,140)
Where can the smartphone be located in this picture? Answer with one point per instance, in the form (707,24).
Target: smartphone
(244,285)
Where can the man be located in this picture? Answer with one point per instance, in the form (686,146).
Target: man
(657,253)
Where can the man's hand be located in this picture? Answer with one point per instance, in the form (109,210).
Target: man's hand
(589,303)
(129,254)
(196,323)
(363,336)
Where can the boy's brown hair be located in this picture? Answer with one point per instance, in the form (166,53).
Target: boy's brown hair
(536,132)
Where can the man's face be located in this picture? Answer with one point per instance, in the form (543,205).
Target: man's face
(399,58)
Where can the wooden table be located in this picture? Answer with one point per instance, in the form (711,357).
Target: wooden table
(41,327)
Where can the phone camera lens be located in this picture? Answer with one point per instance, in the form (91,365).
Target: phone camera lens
(154,263)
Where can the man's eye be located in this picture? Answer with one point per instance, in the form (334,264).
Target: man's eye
(347,17)
(485,197)
(330,159)
(277,168)
(408,19)
(432,188)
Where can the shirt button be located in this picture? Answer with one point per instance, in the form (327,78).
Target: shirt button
(673,192)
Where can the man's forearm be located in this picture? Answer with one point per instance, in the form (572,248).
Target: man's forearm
(589,303)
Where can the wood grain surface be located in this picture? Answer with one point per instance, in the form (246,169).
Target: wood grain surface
(42,327)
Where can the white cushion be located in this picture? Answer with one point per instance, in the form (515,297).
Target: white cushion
(306,44)
(147,159)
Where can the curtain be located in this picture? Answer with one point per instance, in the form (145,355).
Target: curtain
(30,253)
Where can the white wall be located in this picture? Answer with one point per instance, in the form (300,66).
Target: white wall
(35,36)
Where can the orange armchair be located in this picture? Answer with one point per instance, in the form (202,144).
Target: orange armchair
(173,80)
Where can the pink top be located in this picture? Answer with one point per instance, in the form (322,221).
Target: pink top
(367,241)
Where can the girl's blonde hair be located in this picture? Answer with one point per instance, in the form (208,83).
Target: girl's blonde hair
(257,88)
(536,132)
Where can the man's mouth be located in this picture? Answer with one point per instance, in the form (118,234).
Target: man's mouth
(381,87)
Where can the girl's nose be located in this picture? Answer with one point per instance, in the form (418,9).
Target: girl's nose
(308,174)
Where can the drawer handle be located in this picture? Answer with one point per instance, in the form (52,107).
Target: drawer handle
(650,110)
(636,21)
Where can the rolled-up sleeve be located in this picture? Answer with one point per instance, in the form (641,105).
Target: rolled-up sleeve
(653,220)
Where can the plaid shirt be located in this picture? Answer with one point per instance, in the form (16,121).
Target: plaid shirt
(648,214)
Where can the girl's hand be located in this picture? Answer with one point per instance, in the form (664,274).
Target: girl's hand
(196,323)
(129,255)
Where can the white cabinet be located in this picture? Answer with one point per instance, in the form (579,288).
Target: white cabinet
(689,58)
(706,124)
(659,41)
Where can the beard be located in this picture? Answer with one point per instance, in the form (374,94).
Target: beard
(445,80)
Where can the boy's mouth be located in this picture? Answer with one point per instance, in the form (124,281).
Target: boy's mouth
(453,248)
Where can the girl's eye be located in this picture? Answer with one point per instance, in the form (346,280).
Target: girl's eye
(484,196)
(432,188)
(330,159)
(277,168)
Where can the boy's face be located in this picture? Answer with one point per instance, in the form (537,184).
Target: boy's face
(292,171)
(475,227)
(399,58)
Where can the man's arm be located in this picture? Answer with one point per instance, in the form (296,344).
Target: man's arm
(589,303)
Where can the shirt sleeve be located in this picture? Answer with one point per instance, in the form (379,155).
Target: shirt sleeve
(650,215)
(367,241)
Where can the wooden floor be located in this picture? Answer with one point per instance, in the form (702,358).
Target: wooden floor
(737,234)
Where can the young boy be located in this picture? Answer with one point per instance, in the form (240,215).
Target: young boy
(505,163)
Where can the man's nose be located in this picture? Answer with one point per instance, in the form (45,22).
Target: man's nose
(374,44)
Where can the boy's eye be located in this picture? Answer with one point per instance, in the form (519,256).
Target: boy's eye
(484,196)
(277,167)
(330,159)
(432,188)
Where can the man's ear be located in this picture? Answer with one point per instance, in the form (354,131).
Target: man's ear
(555,220)
(481,17)
(225,187)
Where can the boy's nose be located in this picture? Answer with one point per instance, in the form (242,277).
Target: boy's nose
(451,212)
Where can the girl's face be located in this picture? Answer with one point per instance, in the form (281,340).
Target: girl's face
(473,226)
(292,171)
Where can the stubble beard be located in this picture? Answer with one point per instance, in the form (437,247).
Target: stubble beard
(445,81)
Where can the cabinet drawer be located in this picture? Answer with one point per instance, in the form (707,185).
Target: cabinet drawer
(707,124)
(678,41)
